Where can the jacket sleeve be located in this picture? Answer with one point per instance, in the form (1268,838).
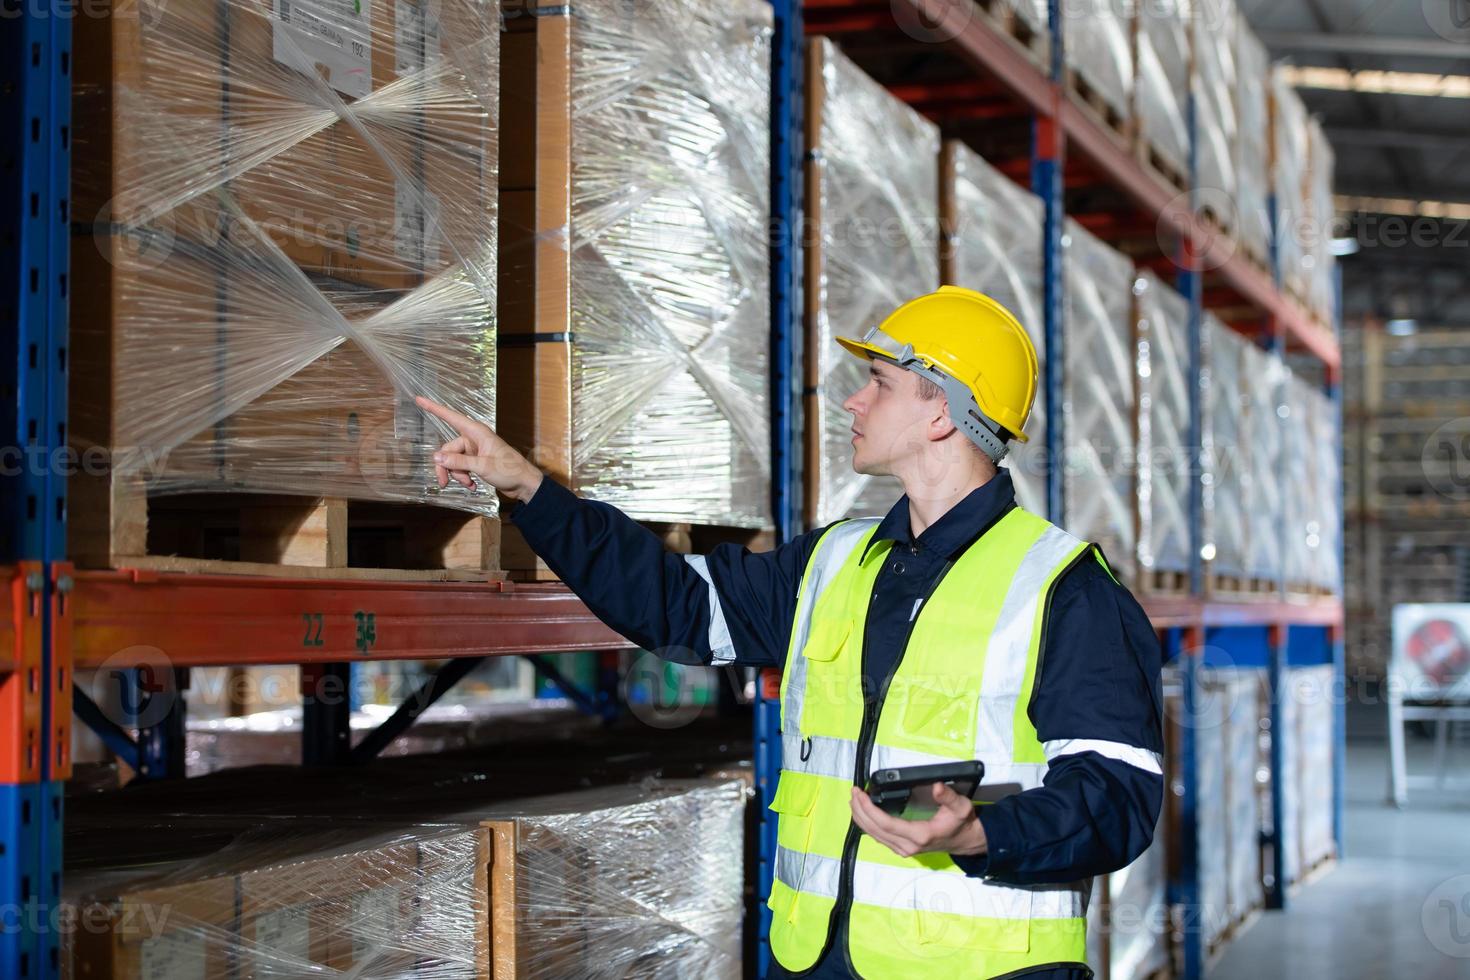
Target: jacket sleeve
(732,606)
(1097,711)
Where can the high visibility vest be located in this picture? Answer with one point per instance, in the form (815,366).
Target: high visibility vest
(959,692)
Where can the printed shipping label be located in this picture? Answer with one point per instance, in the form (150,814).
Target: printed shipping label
(332,39)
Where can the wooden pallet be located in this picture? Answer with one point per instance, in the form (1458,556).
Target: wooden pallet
(293,537)
(1251,587)
(1159,164)
(1003,17)
(1164,581)
(1309,591)
(1234,931)
(1094,104)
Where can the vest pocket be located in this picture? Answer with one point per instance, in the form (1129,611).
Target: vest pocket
(938,720)
(964,921)
(826,637)
(793,802)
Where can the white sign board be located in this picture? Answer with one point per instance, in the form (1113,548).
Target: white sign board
(1431,651)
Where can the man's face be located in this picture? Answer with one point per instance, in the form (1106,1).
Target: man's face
(889,419)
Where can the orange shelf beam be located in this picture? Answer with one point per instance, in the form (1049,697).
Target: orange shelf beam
(132,616)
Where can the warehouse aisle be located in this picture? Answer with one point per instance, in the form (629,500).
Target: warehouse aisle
(1398,906)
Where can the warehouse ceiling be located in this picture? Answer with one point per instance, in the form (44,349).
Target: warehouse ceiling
(1403,160)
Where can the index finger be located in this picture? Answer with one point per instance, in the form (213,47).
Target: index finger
(460,422)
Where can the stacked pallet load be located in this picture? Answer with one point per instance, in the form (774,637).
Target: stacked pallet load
(1211,831)
(1408,544)
(1265,485)
(872,199)
(289,227)
(1231,857)
(992,231)
(1313,516)
(1164,463)
(1097,402)
(634,287)
(1161,86)
(1290,146)
(1321,276)
(1224,457)
(1028,23)
(1128,918)
(1306,834)
(541,886)
(1213,25)
(1251,148)
(1100,73)
(1314,691)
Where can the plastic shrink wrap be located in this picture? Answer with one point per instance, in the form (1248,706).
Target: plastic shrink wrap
(573,885)
(1289,160)
(1327,503)
(1313,472)
(1263,374)
(288,226)
(1098,397)
(1223,450)
(1322,280)
(1163,426)
(1313,689)
(1211,713)
(1099,52)
(1213,24)
(873,244)
(1033,15)
(1139,937)
(1230,857)
(1250,152)
(993,242)
(635,290)
(1161,88)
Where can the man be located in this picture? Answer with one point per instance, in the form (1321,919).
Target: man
(958,627)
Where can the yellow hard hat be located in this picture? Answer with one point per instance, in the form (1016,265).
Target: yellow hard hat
(958,335)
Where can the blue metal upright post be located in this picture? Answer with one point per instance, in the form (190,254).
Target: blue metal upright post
(1276,687)
(1191,284)
(1048,152)
(1338,637)
(1187,894)
(35,175)
(786,231)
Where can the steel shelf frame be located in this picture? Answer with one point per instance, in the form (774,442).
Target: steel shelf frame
(35,684)
(1062,129)
(52,618)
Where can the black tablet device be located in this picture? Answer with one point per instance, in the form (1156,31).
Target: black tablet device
(908,791)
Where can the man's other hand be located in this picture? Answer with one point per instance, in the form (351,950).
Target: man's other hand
(479,452)
(954,829)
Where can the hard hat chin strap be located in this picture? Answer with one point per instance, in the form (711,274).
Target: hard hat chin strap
(978,427)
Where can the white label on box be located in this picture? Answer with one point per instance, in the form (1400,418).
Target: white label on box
(416,38)
(173,956)
(283,938)
(332,39)
(377,924)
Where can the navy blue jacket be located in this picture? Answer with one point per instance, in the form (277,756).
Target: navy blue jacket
(1097,703)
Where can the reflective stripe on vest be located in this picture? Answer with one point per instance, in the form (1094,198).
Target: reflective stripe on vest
(959,692)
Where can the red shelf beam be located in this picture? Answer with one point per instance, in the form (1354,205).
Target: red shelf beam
(1174,611)
(219,620)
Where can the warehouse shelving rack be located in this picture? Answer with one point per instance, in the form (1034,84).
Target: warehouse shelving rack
(55,619)
(1069,146)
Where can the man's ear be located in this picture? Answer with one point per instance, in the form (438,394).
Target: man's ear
(941,425)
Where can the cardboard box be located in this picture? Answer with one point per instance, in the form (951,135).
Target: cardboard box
(633,276)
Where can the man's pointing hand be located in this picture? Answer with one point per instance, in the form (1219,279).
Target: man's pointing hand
(479,452)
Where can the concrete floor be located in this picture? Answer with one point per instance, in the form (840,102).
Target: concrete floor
(1397,906)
